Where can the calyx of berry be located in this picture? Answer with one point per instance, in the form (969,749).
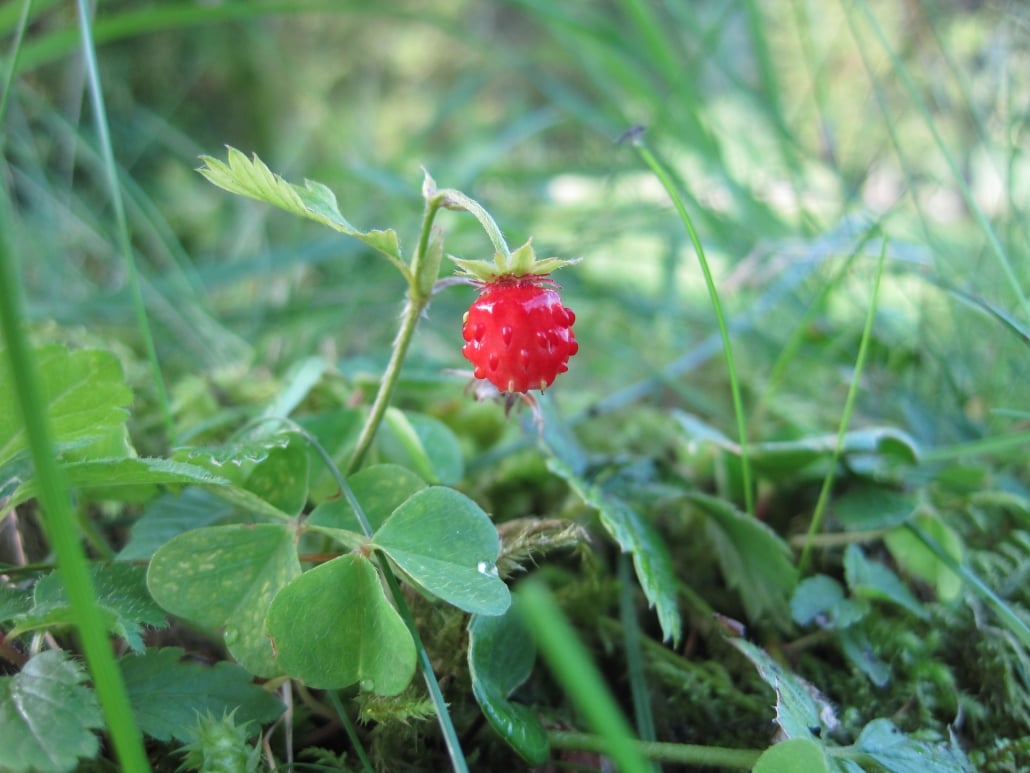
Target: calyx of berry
(522,261)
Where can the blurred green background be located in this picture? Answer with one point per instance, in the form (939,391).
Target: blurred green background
(791,126)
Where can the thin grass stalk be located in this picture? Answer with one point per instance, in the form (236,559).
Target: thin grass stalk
(121,223)
(352,732)
(924,113)
(779,369)
(738,405)
(571,666)
(849,405)
(1008,615)
(59,519)
(672,753)
(12,62)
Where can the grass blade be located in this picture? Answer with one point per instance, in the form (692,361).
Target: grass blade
(845,419)
(121,223)
(59,520)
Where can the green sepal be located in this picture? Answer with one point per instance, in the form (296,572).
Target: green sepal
(522,262)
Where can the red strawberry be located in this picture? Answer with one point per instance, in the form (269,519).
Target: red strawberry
(517,333)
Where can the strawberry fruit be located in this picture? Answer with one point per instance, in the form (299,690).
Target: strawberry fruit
(518,334)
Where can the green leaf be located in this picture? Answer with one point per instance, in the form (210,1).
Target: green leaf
(915,557)
(874,580)
(871,508)
(423,444)
(801,710)
(637,537)
(792,756)
(333,627)
(85,396)
(167,693)
(860,651)
(821,597)
(379,489)
(337,433)
(753,558)
(47,716)
(121,594)
(501,655)
(170,515)
(121,473)
(281,479)
(448,546)
(778,459)
(227,576)
(895,752)
(253,179)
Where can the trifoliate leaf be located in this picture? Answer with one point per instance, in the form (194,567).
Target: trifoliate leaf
(379,489)
(333,627)
(227,576)
(448,546)
(121,595)
(167,693)
(47,716)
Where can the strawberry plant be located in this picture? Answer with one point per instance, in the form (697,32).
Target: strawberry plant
(311,476)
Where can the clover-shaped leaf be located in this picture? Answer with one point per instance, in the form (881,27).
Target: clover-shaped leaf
(446,544)
(226,576)
(333,627)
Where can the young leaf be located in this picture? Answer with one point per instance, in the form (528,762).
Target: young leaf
(47,716)
(753,558)
(252,178)
(227,576)
(84,392)
(333,627)
(793,755)
(501,655)
(167,693)
(895,752)
(801,710)
(121,594)
(637,537)
(379,489)
(448,546)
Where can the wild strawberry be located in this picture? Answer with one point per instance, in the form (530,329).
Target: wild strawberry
(517,333)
